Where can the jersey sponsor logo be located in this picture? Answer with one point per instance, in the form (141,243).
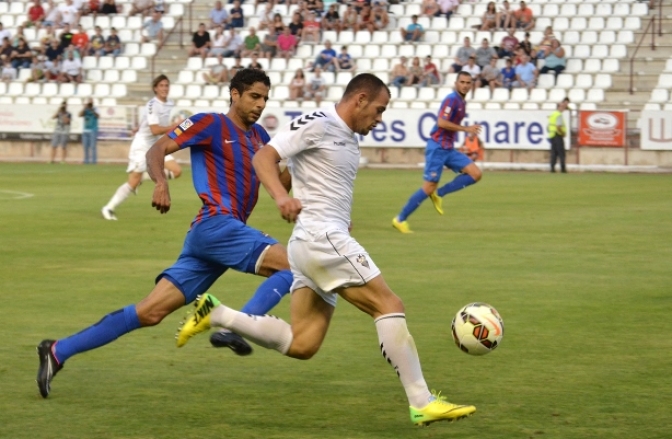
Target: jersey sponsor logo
(303,120)
(339,143)
(229,141)
(361,259)
(186,124)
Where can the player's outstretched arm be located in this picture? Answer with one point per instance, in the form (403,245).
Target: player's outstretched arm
(265,163)
(155,160)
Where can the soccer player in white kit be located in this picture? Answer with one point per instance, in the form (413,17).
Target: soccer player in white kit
(155,123)
(323,157)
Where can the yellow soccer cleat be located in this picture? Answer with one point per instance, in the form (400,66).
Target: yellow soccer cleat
(437,201)
(198,321)
(402,226)
(440,410)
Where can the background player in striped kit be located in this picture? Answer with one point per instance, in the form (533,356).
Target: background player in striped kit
(222,147)
(440,152)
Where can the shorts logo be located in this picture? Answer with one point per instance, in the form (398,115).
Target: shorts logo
(361,259)
(186,124)
(432,174)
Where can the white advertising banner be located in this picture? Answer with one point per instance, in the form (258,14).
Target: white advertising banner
(656,130)
(36,122)
(410,128)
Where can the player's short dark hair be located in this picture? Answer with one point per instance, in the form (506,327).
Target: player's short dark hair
(365,82)
(158,79)
(462,73)
(245,78)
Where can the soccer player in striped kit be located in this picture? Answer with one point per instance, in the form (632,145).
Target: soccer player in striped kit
(440,151)
(222,147)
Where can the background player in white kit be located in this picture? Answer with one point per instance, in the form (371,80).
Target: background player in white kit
(155,123)
(323,157)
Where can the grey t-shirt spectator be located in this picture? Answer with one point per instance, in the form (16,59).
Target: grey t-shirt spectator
(463,54)
(483,55)
(489,73)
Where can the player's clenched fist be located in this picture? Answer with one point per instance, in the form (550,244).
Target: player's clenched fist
(289,208)
(161,198)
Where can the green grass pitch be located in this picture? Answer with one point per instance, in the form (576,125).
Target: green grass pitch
(578,265)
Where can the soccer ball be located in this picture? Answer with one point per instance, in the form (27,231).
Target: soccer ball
(477,329)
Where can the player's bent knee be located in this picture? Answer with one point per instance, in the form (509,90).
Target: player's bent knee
(150,317)
(302,351)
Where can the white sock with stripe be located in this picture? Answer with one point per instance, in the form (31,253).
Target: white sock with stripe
(398,348)
(123,192)
(267,331)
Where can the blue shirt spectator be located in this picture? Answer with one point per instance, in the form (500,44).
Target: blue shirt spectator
(218,16)
(237,18)
(508,74)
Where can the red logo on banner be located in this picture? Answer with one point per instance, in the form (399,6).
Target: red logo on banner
(602,128)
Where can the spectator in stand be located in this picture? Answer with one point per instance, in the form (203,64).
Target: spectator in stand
(472,147)
(19,35)
(37,69)
(52,17)
(311,29)
(153,29)
(462,56)
(53,70)
(430,8)
(555,61)
(53,52)
(277,25)
(90,132)
(508,44)
(286,44)
(47,37)
(523,17)
(218,73)
(255,64)
(66,37)
(490,18)
(364,18)
(36,15)
(142,7)
(325,57)
(71,69)
(380,19)
(269,47)
(485,53)
(344,62)
(296,87)
(4,33)
(544,47)
(490,76)
(69,13)
(316,87)
(234,45)
(474,70)
(506,19)
(9,73)
(415,72)
(332,20)
(399,74)
(112,44)
(508,74)
(447,8)
(251,43)
(237,18)
(236,66)
(81,41)
(526,74)
(431,75)
(350,19)
(91,7)
(526,47)
(267,16)
(160,6)
(109,7)
(218,43)
(22,55)
(97,43)
(219,16)
(200,42)
(296,26)
(414,31)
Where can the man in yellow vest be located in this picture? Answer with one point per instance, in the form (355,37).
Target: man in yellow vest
(556,135)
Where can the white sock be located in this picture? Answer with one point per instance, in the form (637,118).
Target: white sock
(398,348)
(266,331)
(123,192)
(169,174)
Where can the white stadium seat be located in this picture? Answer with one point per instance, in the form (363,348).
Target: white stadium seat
(85,89)
(602,81)
(565,80)
(583,81)
(657,95)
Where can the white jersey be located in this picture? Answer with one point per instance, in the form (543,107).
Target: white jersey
(323,157)
(156,113)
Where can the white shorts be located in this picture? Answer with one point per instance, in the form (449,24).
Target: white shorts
(327,261)
(138,163)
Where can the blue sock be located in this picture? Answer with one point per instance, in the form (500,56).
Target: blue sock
(108,329)
(460,182)
(413,203)
(269,293)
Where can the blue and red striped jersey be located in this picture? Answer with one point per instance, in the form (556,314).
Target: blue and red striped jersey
(221,163)
(453,109)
